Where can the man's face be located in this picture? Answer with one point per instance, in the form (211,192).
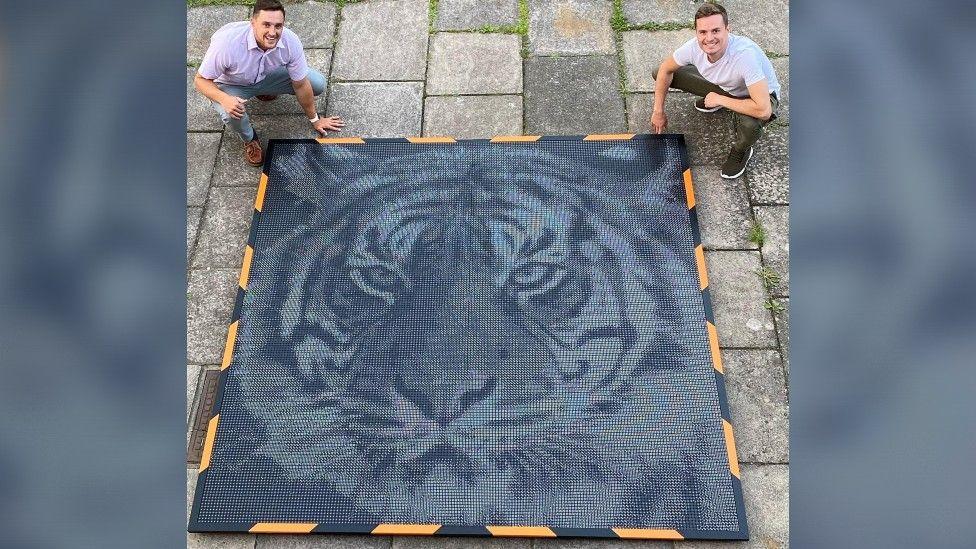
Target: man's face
(267,26)
(713,35)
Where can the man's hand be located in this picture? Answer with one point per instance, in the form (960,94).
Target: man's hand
(712,100)
(234,106)
(659,121)
(332,124)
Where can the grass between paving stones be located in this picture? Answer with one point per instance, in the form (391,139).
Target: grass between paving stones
(757,235)
(770,278)
(618,23)
(774,305)
(432,16)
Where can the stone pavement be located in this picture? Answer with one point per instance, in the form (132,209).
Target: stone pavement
(477,68)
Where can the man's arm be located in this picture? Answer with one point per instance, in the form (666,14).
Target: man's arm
(757,105)
(306,98)
(665,73)
(234,106)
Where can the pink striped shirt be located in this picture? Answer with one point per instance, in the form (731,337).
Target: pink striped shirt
(235,58)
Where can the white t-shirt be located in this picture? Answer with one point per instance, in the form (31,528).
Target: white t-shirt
(743,64)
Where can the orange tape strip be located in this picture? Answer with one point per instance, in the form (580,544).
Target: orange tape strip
(730,446)
(246,266)
(522,531)
(700,259)
(208,442)
(229,346)
(341,140)
(431,140)
(283,527)
(713,343)
(407,529)
(646,533)
(262,187)
(514,138)
(689,189)
(609,137)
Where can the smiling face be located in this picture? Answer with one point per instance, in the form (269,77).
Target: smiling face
(267,26)
(713,36)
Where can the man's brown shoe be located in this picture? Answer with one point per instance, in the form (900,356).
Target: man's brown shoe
(253,153)
(267,97)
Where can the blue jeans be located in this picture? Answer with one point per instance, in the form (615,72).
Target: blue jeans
(277,82)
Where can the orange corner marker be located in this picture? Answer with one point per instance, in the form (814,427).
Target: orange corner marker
(407,529)
(514,138)
(431,140)
(262,187)
(283,527)
(246,266)
(608,137)
(713,344)
(208,442)
(341,140)
(689,189)
(647,533)
(730,446)
(229,346)
(700,259)
(522,531)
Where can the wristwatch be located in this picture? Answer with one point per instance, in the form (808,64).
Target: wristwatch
(314,120)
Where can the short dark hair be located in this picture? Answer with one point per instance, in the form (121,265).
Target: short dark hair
(707,9)
(267,5)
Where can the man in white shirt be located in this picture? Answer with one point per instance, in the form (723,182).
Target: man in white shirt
(725,71)
(259,58)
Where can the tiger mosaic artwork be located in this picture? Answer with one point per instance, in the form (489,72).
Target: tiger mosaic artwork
(466,344)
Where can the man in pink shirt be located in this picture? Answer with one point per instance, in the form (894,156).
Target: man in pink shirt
(259,58)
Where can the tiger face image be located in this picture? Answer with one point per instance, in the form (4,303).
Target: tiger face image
(483,347)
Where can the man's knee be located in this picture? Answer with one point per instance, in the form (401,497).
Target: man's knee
(318,82)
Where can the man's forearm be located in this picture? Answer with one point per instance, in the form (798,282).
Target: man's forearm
(661,85)
(303,92)
(744,106)
(208,89)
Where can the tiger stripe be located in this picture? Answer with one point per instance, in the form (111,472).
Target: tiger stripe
(283,528)
(522,531)
(421,140)
(700,260)
(647,533)
(689,189)
(229,346)
(262,187)
(730,447)
(713,344)
(341,140)
(609,137)
(209,442)
(406,529)
(515,138)
(246,267)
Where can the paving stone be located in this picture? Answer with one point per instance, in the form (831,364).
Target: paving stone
(783,330)
(766,493)
(470,117)
(599,544)
(768,173)
(573,96)
(319,60)
(220,541)
(209,304)
(458,63)
(723,210)
(192,379)
(193,215)
(766,22)
(201,153)
(322,542)
(570,27)
(378,109)
(776,249)
(200,115)
(737,298)
(232,171)
(782,67)
(225,226)
(202,22)
(645,50)
(757,397)
(639,12)
(707,136)
(474,14)
(382,40)
(461,543)
(191,486)
(313,22)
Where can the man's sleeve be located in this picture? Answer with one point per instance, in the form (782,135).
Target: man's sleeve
(214,63)
(297,65)
(751,69)
(683,55)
